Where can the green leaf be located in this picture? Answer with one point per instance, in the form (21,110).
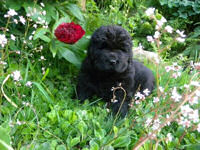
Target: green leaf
(122,141)
(5,140)
(74,141)
(75,11)
(53,47)
(61,20)
(94,145)
(39,32)
(44,93)
(69,56)
(13,4)
(45,38)
(61,147)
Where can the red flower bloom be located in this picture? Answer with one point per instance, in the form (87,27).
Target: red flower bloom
(69,33)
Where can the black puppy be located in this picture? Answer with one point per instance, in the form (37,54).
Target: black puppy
(110,62)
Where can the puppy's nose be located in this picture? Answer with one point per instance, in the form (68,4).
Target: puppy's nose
(113,61)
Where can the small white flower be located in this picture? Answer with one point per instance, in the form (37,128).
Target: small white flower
(150,11)
(195,83)
(35,25)
(11,12)
(150,39)
(161,89)
(22,20)
(42,58)
(169,137)
(175,96)
(181,40)
(16,75)
(194,116)
(181,33)
(197,93)
(193,100)
(18,122)
(198,127)
(169,29)
(28,15)
(148,121)
(138,95)
(12,37)
(156,99)
(44,12)
(15,21)
(146,92)
(29,84)
(156,35)
(41,47)
(30,37)
(3,40)
(42,4)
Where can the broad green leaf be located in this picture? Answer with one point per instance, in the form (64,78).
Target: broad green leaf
(122,141)
(69,56)
(39,32)
(75,141)
(14,4)
(61,147)
(75,11)
(45,38)
(94,145)
(4,140)
(61,20)
(42,90)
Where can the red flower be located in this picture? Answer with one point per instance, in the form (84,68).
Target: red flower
(69,33)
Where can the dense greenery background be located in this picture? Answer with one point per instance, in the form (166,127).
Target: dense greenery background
(48,115)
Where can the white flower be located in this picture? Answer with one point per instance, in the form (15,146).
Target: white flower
(193,100)
(16,75)
(146,92)
(195,83)
(22,20)
(44,13)
(198,127)
(150,11)
(185,110)
(175,96)
(12,37)
(42,58)
(194,116)
(181,40)
(41,47)
(169,137)
(11,12)
(35,25)
(168,122)
(156,124)
(156,99)
(3,40)
(42,4)
(15,21)
(156,35)
(150,39)
(181,33)
(169,29)
(29,84)
(163,20)
(138,95)
(161,89)
(30,37)
(197,93)
(148,121)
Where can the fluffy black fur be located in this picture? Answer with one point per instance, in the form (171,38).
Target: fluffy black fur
(110,62)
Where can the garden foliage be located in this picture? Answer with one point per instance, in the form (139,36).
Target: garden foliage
(38,74)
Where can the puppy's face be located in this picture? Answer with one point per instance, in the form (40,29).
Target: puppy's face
(110,49)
